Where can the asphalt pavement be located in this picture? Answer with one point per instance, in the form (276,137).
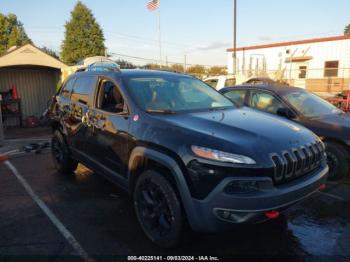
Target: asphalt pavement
(100,218)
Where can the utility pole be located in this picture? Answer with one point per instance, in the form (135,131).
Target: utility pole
(234,54)
(185,63)
(1,125)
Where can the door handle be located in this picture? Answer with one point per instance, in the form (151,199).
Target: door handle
(86,119)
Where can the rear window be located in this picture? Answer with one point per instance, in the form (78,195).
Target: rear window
(212,82)
(83,89)
(67,88)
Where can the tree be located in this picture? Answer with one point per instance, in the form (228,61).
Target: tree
(347,30)
(49,52)
(152,66)
(217,70)
(83,36)
(12,32)
(177,68)
(197,69)
(125,64)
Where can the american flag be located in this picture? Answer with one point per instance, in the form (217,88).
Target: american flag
(153,5)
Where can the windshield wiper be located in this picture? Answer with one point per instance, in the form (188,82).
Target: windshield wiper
(161,111)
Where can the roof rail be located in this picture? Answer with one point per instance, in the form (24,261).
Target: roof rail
(101,66)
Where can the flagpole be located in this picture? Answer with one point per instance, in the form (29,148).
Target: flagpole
(160,37)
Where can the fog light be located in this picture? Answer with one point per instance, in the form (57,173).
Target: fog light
(273,214)
(3,158)
(242,186)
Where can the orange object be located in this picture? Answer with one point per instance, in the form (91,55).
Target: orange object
(3,158)
(14,92)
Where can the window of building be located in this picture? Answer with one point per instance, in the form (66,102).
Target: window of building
(302,72)
(331,68)
(83,88)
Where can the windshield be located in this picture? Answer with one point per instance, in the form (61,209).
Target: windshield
(175,94)
(310,105)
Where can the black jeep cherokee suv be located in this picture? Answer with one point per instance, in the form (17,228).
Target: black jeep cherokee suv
(182,150)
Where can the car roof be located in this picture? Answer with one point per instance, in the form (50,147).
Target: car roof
(279,89)
(132,72)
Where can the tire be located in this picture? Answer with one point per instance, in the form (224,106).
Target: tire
(158,209)
(61,156)
(338,160)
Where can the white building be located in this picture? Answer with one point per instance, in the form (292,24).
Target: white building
(320,65)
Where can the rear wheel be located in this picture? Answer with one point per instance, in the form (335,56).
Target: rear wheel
(158,209)
(61,156)
(338,160)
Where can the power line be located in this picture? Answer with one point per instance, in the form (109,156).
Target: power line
(156,60)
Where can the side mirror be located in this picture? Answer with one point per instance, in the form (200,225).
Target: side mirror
(286,112)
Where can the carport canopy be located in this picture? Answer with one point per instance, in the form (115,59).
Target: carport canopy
(29,55)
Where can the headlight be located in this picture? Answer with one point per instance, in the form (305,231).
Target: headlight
(213,154)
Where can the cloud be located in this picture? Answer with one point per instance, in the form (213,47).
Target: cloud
(265,38)
(212,46)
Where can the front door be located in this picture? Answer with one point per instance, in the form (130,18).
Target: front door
(109,124)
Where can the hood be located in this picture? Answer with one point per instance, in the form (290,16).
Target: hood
(243,131)
(336,120)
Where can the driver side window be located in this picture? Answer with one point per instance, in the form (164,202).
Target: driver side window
(265,102)
(109,98)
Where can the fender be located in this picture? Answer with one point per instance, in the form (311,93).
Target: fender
(176,172)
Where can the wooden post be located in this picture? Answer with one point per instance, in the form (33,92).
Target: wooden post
(1,125)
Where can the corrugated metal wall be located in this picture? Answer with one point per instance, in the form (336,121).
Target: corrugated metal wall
(35,86)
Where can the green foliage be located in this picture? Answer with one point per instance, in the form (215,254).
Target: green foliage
(217,70)
(12,32)
(83,36)
(347,30)
(49,52)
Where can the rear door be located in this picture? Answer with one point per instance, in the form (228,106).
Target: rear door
(81,102)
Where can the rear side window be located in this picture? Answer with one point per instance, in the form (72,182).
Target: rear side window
(83,89)
(237,96)
(230,82)
(212,82)
(67,88)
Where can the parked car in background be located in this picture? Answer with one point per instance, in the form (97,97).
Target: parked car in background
(342,101)
(219,82)
(182,150)
(307,109)
(263,81)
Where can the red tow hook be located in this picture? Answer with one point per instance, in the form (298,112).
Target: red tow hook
(273,214)
(3,158)
(322,187)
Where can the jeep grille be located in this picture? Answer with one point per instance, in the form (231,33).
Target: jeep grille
(289,165)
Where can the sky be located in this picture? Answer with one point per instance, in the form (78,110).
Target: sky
(201,30)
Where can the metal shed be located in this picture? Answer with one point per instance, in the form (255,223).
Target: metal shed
(35,75)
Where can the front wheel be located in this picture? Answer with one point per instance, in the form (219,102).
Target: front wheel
(338,160)
(61,155)
(158,209)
